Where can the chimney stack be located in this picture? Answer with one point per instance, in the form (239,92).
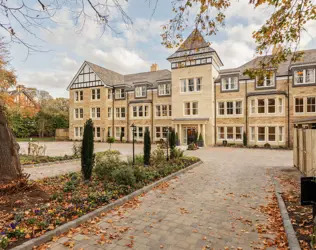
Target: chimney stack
(154,67)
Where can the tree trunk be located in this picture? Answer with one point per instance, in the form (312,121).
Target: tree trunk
(10,167)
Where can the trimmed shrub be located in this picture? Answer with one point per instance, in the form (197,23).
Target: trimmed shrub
(106,163)
(245,139)
(147,147)
(172,139)
(87,156)
(176,153)
(124,176)
(158,156)
(110,140)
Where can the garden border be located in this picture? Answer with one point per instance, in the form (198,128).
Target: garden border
(28,245)
(289,230)
(48,163)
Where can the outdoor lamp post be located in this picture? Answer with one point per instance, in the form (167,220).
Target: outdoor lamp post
(133,130)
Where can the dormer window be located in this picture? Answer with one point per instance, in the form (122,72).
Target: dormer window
(140,91)
(230,83)
(119,93)
(164,89)
(304,76)
(266,80)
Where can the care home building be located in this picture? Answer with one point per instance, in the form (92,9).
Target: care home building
(196,96)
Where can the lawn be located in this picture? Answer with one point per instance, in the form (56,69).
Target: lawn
(43,205)
(36,139)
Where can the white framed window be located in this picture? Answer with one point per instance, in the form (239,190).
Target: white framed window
(78,113)
(120,112)
(97,132)
(119,93)
(191,85)
(238,107)
(265,80)
(281,134)
(187,108)
(95,113)
(95,94)
(161,132)
(239,134)
(280,105)
(299,105)
(140,91)
(229,83)
(221,108)
(109,132)
(252,133)
(229,108)
(271,106)
(110,112)
(195,108)
(261,106)
(261,134)
(79,96)
(139,111)
(119,131)
(221,133)
(164,89)
(271,134)
(78,132)
(311,105)
(110,94)
(253,106)
(304,76)
(230,133)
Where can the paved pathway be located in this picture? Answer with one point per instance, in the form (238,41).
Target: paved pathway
(213,206)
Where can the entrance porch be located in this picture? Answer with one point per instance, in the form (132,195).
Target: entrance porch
(187,132)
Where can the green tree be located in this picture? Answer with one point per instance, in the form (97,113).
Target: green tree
(147,147)
(87,155)
(172,139)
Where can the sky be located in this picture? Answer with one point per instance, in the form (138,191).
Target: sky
(129,49)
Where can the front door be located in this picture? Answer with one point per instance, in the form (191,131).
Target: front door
(191,135)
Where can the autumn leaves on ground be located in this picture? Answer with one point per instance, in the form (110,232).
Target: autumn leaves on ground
(40,206)
(224,203)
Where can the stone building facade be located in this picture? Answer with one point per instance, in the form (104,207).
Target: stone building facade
(195,97)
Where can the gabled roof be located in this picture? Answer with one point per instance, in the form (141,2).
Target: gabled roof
(194,41)
(309,56)
(111,78)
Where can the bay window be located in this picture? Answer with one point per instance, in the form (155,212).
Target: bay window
(230,108)
(252,133)
(261,106)
(261,134)
(221,133)
(221,108)
(238,133)
(140,111)
(230,133)
(271,133)
(271,106)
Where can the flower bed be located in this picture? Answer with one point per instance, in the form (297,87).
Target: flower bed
(50,202)
(29,159)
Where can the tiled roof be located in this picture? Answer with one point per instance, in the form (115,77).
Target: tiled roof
(308,57)
(194,41)
(112,78)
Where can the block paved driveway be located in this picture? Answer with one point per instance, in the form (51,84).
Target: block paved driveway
(213,206)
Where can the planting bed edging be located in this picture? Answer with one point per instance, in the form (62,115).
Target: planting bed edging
(28,245)
(289,230)
(48,163)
